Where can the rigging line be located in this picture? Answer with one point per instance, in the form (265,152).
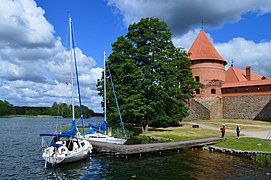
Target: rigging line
(116,99)
(77,80)
(104,89)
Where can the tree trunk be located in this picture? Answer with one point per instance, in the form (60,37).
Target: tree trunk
(144,128)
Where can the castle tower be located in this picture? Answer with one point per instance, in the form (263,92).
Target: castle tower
(208,66)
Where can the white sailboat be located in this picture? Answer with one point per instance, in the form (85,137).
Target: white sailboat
(95,134)
(65,147)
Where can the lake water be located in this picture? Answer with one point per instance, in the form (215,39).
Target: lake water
(20,158)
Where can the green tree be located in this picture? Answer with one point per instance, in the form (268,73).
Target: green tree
(152,77)
(6,108)
(54,110)
(31,112)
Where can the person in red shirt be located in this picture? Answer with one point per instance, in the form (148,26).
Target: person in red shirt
(223,130)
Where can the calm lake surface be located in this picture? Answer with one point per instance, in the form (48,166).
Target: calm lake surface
(20,158)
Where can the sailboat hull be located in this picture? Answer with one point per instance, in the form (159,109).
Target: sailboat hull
(62,154)
(104,138)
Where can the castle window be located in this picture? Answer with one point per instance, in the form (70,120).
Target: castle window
(235,90)
(197,91)
(213,91)
(197,78)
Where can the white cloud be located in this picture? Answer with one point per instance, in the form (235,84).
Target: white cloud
(185,41)
(34,64)
(183,15)
(247,53)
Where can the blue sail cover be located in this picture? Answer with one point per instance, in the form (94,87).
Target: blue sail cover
(91,131)
(69,133)
(96,128)
(99,128)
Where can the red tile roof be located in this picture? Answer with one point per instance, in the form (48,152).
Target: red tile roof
(236,77)
(203,48)
(234,74)
(247,83)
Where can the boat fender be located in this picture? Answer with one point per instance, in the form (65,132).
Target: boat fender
(63,150)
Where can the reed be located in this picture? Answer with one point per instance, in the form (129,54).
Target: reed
(264,160)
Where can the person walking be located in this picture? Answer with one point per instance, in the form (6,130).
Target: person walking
(223,130)
(238,129)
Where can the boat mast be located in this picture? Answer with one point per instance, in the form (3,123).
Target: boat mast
(72,67)
(77,79)
(104,89)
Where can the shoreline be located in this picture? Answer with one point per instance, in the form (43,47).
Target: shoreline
(29,116)
(240,153)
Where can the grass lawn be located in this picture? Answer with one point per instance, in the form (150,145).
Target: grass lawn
(185,132)
(246,124)
(246,144)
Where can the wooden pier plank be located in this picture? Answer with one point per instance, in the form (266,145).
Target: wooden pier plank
(152,147)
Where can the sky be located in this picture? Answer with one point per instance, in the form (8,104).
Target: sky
(34,52)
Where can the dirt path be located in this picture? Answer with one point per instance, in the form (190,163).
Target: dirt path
(254,134)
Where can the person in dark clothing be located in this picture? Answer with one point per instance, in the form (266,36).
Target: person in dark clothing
(238,130)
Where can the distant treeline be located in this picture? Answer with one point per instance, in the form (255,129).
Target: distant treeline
(61,109)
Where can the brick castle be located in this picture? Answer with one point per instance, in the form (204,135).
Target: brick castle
(231,94)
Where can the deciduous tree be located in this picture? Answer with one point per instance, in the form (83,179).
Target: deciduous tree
(152,77)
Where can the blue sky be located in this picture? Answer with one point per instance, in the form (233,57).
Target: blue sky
(95,25)
(34,59)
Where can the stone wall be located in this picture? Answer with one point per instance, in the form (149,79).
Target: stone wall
(265,113)
(197,111)
(247,107)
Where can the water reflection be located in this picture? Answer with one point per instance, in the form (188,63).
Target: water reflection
(68,171)
(184,165)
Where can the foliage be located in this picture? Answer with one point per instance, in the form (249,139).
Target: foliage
(152,78)
(33,111)
(264,160)
(6,108)
(65,111)
(61,109)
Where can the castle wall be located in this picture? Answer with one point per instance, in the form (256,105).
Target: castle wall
(247,90)
(197,111)
(208,70)
(211,74)
(247,107)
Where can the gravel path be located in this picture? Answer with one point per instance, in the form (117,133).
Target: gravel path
(254,134)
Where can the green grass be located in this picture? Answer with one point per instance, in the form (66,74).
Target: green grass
(186,132)
(246,144)
(246,124)
(264,160)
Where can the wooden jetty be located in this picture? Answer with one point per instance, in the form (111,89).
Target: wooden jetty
(152,147)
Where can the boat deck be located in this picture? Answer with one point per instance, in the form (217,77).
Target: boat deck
(152,147)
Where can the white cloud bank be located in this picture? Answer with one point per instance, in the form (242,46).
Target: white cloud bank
(34,64)
(184,18)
